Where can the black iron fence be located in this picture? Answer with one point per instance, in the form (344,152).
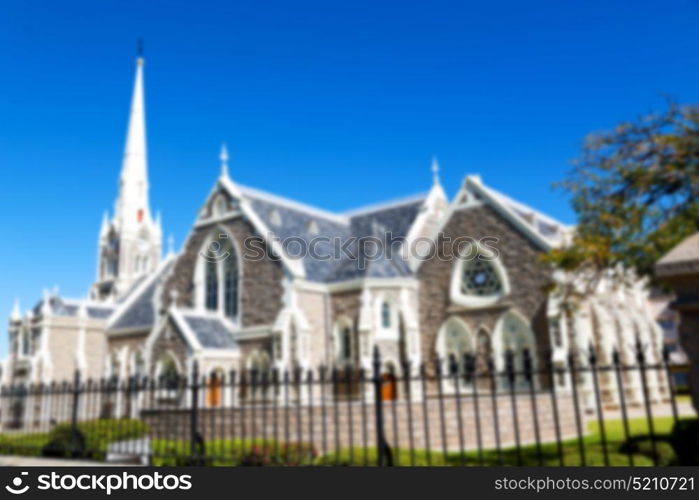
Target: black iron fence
(467,411)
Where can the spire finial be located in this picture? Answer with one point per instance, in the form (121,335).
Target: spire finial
(139,48)
(223,156)
(104,228)
(16,314)
(435,170)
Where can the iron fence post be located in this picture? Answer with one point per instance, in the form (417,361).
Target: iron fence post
(74,444)
(383,452)
(670,383)
(641,359)
(592,359)
(194,412)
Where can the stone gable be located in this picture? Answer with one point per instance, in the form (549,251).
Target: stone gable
(261,288)
(169,340)
(528,278)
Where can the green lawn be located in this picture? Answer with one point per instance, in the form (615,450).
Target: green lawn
(96,436)
(683,398)
(230,452)
(617,450)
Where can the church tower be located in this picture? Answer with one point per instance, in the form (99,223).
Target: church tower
(130,243)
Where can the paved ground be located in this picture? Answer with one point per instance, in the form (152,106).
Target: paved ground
(16,461)
(684,409)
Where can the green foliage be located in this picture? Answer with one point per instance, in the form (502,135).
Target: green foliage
(25,444)
(93,437)
(234,452)
(634,190)
(617,450)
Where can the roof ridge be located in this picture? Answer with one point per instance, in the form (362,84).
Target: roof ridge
(523,206)
(142,287)
(293,204)
(376,207)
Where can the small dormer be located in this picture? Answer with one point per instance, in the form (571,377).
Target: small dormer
(275,217)
(312,227)
(219,206)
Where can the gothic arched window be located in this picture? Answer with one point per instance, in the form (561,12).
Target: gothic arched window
(230,287)
(139,364)
(218,277)
(454,341)
(515,336)
(346,344)
(479,279)
(211,286)
(169,373)
(386,315)
(345,347)
(26,344)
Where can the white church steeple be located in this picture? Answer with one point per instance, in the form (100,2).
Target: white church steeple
(132,205)
(129,244)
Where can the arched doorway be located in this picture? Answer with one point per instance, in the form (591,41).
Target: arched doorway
(389,384)
(214,389)
(346,371)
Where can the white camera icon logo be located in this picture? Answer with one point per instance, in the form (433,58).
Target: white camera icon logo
(16,487)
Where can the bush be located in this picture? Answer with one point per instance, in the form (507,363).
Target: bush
(64,443)
(91,438)
(29,444)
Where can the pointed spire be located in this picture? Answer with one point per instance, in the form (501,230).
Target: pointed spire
(435,170)
(132,204)
(437,198)
(46,303)
(223,156)
(105,224)
(170,245)
(16,314)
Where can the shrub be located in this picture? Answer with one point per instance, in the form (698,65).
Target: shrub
(92,437)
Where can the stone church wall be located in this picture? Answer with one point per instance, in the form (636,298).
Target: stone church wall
(261,288)
(528,279)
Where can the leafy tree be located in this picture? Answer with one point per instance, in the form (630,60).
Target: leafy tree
(635,190)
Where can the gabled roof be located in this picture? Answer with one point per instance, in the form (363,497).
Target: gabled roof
(543,230)
(211,332)
(683,258)
(277,219)
(201,331)
(137,310)
(61,306)
(296,220)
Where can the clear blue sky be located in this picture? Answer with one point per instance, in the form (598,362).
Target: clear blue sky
(337,104)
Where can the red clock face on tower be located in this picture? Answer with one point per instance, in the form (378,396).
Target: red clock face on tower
(139,216)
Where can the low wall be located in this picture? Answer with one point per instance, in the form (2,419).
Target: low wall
(425,424)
